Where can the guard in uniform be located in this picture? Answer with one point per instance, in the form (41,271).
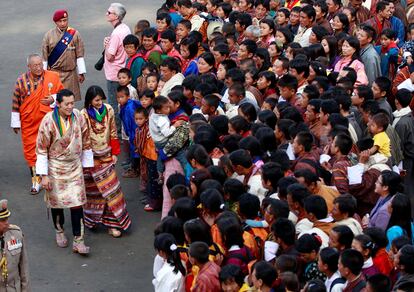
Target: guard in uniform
(14,274)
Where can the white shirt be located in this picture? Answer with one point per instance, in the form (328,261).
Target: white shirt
(329,281)
(168,281)
(160,128)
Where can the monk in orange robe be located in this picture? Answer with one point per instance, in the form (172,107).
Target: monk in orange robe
(32,98)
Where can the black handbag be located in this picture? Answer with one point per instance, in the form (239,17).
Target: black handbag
(100,63)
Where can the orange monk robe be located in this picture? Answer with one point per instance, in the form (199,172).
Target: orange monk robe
(28,112)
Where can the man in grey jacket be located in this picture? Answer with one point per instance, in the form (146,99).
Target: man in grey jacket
(369,56)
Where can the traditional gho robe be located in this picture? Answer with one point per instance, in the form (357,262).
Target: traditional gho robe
(28,112)
(70,60)
(62,149)
(105,201)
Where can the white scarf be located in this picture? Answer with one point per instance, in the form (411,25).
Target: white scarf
(398,114)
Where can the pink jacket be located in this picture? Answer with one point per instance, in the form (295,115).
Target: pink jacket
(357,65)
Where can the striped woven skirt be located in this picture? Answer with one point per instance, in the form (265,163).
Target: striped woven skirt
(105,201)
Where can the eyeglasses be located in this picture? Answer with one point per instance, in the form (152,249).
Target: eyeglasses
(109,12)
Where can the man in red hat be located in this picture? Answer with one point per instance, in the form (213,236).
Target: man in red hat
(63,52)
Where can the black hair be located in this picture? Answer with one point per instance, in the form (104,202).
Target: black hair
(192,44)
(379,283)
(384,84)
(301,66)
(249,111)
(309,11)
(369,30)
(278,208)
(305,139)
(164,15)
(401,213)
(249,206)
(179,191)
(234,188)
(92,92)
(142,110)
(283,126)
(226,8)
(178,96)
(265,271)
(267,138)
(159,102)
(312,91)
(308,243)
(250,45)
(239,124)
(169,34)
(231,231)
(345,235)
(241,157)
(316,205)
(284,229)
(366,242)
(344,20)
(175,179)
(251,144)
(123,89)
(353,260)
(199,154)
(150,33)
(320,32)
(404,97)
(244,19)
(344,143)
(272,172)
(346,204)
(289,81)
(166,242)
(62,93)
(131,39)
(220,124)
(198,249)
(315,285)
(381,120)
(284,184)
(212,200)
(268,118)
(231,272)
(197,230)
(185,209)
(330,257)
(392,180)
(217,173)
(172,225)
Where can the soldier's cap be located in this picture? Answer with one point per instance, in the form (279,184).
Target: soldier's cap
(59,14)
(4,212)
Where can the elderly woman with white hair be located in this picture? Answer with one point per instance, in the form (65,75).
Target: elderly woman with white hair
(115,55)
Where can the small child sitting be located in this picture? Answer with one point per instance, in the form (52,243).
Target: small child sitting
(377,127)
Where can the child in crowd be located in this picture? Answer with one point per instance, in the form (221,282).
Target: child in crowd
(388,51)
(161,129)
(147,69)
(134,61)
(152,82)
(125,78)
(145,147)
(377,127)
(127,110)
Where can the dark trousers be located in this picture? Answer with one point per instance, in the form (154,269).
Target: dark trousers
(76,214)
(154,189)
(112,86)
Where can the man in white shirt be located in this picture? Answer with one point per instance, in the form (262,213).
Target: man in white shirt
(306,19)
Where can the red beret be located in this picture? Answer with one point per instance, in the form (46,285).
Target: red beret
(59,14)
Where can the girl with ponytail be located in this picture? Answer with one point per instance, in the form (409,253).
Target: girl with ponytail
(171,276)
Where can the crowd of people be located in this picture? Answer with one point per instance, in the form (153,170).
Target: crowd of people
(275,137)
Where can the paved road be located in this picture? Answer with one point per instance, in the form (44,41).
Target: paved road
(123,264)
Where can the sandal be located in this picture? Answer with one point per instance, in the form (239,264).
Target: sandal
(80,247)
(114,232)
(148,208)
(61,239)
(36,186)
